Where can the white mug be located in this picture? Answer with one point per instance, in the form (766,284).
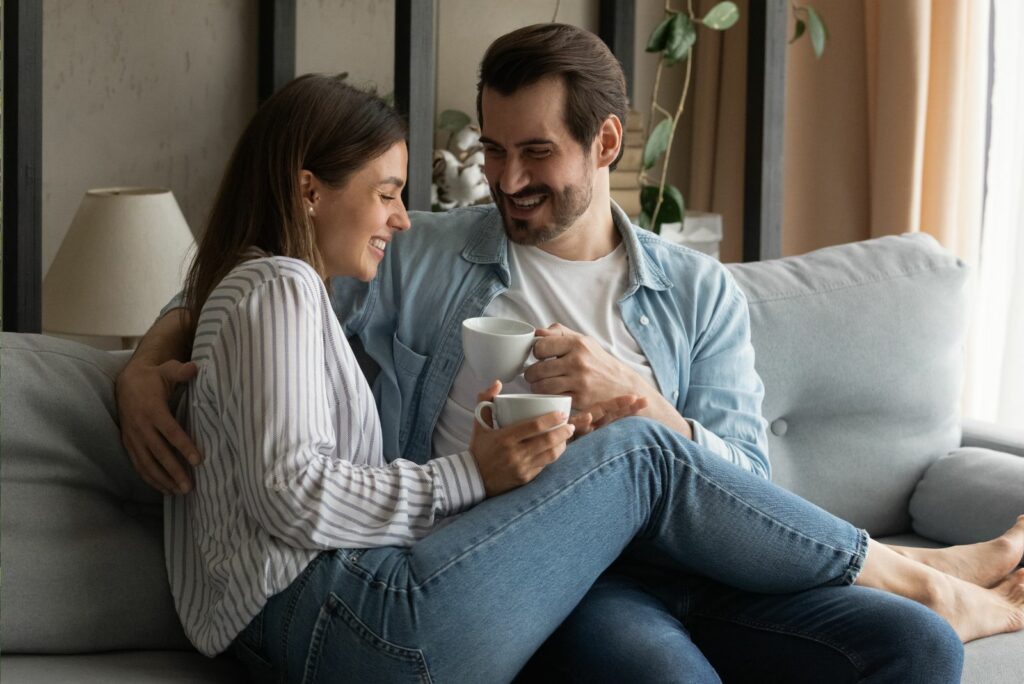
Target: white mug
(496,347)
(507,409)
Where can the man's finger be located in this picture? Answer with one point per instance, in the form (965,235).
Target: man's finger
(179,372)
(546,347)
(133,450)
(174,434)
(169,461)
(549,368)
(149,468)
(558,385)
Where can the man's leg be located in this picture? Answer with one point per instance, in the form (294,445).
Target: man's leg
(833,634)
(475,599)
(619,633)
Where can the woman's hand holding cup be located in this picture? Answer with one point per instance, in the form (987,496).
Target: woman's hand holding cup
(510,456)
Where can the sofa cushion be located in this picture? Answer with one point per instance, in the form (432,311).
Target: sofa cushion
(132,667)
(945,505)
(859,347)
(82,545)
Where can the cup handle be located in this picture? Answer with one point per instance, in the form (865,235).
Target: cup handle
(480,419)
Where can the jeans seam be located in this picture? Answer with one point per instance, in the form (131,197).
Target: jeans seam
(296,589)
(853,658)
(551,497)
(335,608)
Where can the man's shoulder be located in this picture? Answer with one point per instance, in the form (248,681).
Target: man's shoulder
(683,266)
(455,226)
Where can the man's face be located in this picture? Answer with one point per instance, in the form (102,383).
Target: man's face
(540,177)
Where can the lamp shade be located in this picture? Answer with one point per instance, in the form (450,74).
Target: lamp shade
(121,261)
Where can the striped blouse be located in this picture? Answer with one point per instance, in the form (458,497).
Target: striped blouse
(293,462)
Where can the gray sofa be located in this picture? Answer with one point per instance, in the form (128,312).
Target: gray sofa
(859,347)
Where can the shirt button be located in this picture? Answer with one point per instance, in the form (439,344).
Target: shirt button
(675,394)
(644,320)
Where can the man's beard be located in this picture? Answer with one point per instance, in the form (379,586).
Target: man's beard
(567,206)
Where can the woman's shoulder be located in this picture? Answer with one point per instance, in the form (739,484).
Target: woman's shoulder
(254,275)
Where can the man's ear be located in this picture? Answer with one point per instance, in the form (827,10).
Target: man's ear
(609,141)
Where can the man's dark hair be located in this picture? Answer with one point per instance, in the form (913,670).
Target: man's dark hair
(595,86)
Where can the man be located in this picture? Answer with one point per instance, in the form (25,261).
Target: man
(626,313)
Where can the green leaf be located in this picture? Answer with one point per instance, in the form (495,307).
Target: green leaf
(453,121)
(672,205)
(819,34)
(682,36)
(656,43)
(722,16)
(657,143)
(644,221)
(800,28)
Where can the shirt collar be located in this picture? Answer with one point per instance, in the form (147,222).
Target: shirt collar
(489,245)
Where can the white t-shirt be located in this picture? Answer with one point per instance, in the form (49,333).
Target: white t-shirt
(545,289)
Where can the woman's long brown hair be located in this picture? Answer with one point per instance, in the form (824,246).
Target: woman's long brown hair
(318,123)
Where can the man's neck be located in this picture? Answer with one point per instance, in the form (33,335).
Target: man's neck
(591,237)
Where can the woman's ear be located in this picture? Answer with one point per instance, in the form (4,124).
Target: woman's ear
(609,141)
(307,183)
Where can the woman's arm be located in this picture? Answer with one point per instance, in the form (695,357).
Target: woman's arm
(274,386)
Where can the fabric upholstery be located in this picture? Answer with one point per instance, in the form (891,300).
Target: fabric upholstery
(130,667)
(946,505)
(82,544)
(859,347)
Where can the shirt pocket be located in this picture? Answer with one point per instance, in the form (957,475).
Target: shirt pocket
(409,366)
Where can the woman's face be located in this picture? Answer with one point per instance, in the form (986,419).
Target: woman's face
(354,223)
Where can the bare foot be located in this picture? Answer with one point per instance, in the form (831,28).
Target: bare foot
(975,612)
(985,564)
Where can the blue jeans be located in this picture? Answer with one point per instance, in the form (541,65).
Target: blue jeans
(634,626)
(474,600)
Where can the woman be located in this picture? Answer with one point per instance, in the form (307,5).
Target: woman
(305,551)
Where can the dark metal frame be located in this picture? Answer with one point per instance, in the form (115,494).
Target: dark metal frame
(276,59)
(22,165)
(414,97)
(766,99)
(617,28)
(415,61)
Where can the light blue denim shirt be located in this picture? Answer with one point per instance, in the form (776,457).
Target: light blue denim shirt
(684,309)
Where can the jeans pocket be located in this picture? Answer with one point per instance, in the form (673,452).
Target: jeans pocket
(248,648)
(343,648)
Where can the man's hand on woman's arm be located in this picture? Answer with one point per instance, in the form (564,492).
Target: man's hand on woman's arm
(156,443)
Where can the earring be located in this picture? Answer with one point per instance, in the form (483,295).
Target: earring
(311,210)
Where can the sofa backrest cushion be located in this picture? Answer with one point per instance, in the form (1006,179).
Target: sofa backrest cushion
(860,350)
(83,562)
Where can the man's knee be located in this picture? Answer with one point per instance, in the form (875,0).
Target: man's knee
(919,646)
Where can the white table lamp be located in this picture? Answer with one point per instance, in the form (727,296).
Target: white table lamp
(122,259)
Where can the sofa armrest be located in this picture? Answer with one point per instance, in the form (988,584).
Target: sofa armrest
(970,495)
(985,435)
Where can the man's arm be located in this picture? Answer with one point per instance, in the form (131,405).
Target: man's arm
(154,439)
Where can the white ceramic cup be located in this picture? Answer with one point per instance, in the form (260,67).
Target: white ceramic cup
(496,348)
(507,409)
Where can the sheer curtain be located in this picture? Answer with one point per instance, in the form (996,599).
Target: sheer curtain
(995,363)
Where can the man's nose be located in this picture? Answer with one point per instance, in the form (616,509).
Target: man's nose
(513,178)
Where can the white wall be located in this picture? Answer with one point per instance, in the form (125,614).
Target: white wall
(142,92)
(156,92)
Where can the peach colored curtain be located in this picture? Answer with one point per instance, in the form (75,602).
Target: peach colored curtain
(927,68)
(884,134)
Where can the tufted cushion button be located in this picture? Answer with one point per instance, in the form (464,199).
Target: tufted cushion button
(779,427)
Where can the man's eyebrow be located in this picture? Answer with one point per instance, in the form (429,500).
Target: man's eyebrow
(525,143)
